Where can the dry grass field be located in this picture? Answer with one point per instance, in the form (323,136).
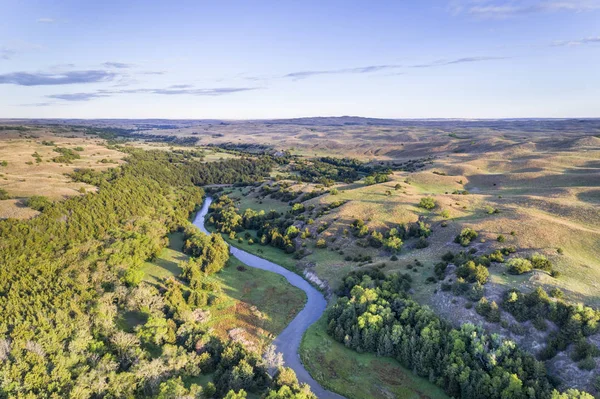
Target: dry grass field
(26,175)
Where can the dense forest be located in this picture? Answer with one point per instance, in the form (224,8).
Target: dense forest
(374,314)
(71,275)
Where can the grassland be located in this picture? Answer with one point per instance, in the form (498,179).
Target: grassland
(26,175)
(542,177)
(357,376)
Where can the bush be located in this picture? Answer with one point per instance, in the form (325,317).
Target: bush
(519,266)
(422,243)
(556,293)
(4,194)
(587,364)
(583,349)
(540,262)
(473,273)
(38,202)
(466,236)
(501,238)
(393,244)
(427,203)
(321,243)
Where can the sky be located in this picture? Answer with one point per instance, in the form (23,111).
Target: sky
(253,59)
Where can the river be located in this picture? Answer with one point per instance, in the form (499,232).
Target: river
(288,342)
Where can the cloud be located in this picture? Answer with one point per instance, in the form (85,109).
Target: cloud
(587,40)
(172,90)
(46,20)
(7,53)
(357,70)
(117,65)
(191,91)
(512,8)
(77,96)
(152,73)
(37,104)
(463,60)
(58,78)
(10,50)
(379,68)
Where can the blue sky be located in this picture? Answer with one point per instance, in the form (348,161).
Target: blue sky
(273,59)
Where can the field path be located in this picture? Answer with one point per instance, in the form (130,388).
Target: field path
(289,340)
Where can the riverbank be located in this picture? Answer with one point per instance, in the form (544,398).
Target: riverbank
(288,342)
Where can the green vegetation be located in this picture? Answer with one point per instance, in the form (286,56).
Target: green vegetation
(466,236)
(89,316)
(427,203)
(574,322)
(374,314)
(359,375)
(67,155)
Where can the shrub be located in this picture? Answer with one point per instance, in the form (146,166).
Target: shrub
(587,364)
(476,292)
(540,324)
(501,238)
(496,256)
(427,203)
(38,202)
(556,293)
(473,273)
(445,214)
(519,266)
(448,256)
(583,349)
(393,244)
(4,194)
(466,236)
(321,243)
(422,243)
(440,269)
(540,262)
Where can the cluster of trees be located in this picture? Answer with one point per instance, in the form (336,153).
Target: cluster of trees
(574,322)
(536,261)
(374,314)
(272,228)
(376,178)
(392,239)
(77,318)
(209,253)
(471,271)
(323,172)
(67,155)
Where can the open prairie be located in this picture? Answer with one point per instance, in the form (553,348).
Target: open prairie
(527,188)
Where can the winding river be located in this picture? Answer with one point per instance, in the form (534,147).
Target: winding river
(288,341)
